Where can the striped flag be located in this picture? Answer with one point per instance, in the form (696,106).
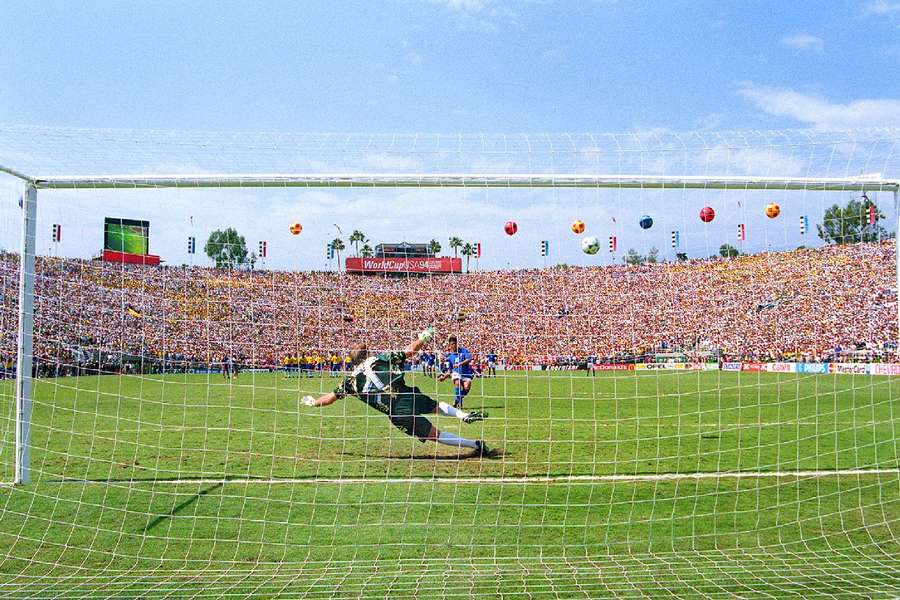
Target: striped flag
(804,224)
(192,245)
(263,248)
(477,249)
(57,232)
(612,243)
(871,214)
(742,232)
(676,239)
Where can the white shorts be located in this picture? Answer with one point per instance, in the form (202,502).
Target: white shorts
(457,377)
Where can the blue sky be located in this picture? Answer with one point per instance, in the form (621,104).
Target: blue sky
(447,66)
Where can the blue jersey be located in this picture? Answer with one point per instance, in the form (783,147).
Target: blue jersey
(491,358)
(455,358)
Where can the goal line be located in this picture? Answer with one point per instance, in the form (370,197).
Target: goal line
(552,479)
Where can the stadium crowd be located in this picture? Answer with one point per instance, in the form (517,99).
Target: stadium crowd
(799,305)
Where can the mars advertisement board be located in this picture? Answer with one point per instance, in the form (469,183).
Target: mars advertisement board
(404,265)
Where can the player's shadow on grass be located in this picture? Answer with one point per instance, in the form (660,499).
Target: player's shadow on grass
(423,457)
(183,505)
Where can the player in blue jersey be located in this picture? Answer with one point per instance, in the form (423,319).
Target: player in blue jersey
(491,359)
(459,368)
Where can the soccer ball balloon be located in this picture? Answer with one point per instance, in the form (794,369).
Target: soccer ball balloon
(510,228)
(590,245)
(707,214)
(296,228)
(772,210)
(578,227)
(646,222)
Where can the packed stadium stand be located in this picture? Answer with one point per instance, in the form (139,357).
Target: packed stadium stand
(803,304)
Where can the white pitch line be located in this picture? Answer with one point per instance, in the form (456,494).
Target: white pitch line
(503,480)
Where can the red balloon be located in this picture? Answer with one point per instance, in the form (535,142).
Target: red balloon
(510,228)
(707,214)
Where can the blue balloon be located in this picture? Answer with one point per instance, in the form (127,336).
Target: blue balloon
(646,222)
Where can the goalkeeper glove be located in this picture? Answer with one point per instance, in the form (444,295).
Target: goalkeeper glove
(427,334)
(308,400)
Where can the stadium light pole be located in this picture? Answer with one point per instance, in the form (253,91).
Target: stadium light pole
(25,343)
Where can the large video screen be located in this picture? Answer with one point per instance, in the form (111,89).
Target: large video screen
(126,235)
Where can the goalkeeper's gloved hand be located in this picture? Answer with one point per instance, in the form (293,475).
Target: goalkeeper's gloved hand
(308,400)
(427,334)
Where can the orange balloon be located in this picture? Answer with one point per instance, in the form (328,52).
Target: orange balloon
(772,210)
(578,227)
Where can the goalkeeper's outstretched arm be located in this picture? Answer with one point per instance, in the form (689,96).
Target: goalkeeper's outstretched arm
(413,348)
(323,400)
(420,341)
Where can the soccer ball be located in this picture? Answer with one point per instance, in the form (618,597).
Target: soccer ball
(578,227)
(296,228)
(707,214)
(510,228)
(590,245)
(772,210)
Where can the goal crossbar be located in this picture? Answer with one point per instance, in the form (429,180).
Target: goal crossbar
(463,180)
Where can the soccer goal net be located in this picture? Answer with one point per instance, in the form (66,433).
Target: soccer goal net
(434,366)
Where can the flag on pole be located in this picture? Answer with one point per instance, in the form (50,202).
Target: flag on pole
(192,245)
(477,249)
(804,224)
(676,239)
(545,248)
(612,243)
(263,247)
(742,232)
(57,232)
(871,214)
(330,251)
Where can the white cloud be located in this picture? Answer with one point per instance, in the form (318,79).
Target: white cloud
(803,41)
(883,7)
(463,5)
(480,15)
(820,112)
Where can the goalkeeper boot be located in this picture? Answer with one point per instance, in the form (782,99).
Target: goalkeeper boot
(482,449)
(475,416)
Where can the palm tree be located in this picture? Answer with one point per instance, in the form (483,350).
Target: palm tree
(434,246)
(337,245)
(468,250)
(367,251)
(456,243)
(356,237)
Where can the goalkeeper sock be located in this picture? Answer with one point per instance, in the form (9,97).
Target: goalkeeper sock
(451,439)
(451,411)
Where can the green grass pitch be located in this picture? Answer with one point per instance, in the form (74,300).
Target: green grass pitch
(194,486)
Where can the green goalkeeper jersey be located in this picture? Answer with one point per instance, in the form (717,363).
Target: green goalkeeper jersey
(377,381)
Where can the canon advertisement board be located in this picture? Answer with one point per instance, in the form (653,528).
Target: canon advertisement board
(404,265)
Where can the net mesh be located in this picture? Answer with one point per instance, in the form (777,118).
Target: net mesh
(688,425)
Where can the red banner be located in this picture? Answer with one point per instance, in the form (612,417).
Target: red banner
(752,366)
(131,259)
(404,265)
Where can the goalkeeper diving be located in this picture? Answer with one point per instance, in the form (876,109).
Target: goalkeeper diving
(378,381)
